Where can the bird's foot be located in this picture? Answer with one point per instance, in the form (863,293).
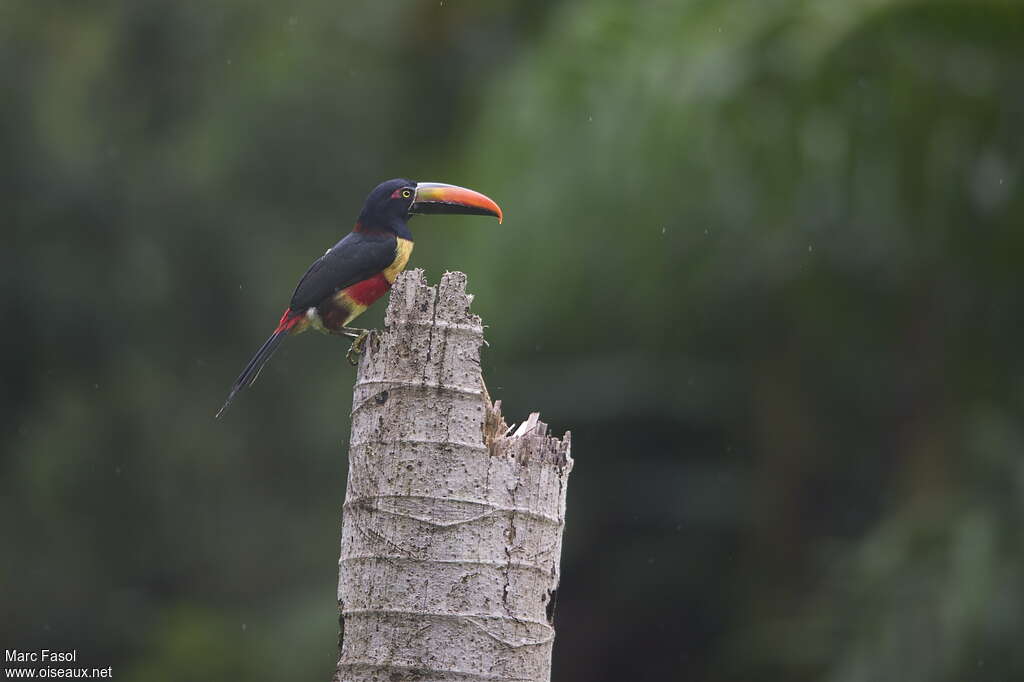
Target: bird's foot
(359,342)
(350,332)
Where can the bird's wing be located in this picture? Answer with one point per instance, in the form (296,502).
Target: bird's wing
(353,259)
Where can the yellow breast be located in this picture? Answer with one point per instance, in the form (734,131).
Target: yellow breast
(402,252)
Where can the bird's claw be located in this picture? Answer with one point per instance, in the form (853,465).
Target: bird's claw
(358,343)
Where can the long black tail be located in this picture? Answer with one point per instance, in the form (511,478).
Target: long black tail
(252,370)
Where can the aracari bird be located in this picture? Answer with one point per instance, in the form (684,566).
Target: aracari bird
(359,269)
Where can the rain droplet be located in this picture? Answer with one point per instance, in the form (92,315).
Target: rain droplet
(663,229)
(810,248)
(244,627)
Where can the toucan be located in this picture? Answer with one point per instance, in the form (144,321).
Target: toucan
(361,268)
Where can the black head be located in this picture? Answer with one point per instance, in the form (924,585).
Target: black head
(387,206)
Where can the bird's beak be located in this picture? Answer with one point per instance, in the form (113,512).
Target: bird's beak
(437,197)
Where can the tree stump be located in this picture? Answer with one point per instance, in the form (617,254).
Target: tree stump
(452,522)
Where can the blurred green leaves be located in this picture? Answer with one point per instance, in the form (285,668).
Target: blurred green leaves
(762,258)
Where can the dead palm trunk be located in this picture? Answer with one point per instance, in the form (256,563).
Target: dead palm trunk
(452,523)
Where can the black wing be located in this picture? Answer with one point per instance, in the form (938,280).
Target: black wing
(356,257)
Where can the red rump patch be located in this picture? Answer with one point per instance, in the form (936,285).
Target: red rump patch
(369,290)
(289,319)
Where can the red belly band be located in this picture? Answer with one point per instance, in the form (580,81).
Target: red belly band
(369,290)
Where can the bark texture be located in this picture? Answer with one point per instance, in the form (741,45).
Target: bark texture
(452,523)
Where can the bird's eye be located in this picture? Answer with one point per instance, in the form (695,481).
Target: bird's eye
(406,193)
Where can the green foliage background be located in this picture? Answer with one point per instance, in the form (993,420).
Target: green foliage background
(763,258)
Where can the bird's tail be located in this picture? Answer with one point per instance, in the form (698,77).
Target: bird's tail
(252,370)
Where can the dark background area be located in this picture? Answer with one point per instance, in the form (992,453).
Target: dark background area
(763,259)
